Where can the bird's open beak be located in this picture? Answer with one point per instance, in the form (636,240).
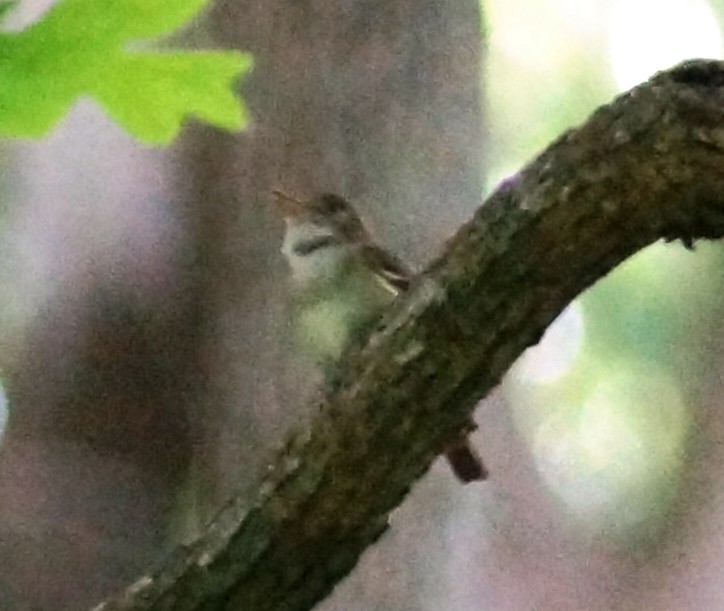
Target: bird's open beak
(288,207)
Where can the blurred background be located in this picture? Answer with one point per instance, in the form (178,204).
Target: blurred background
(144,359)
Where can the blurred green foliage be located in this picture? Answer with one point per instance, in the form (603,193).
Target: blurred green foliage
(86,47)
(612,428)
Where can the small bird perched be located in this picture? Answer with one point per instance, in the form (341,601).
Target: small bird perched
(341,283)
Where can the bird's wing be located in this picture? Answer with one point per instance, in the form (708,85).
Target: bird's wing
(391,272)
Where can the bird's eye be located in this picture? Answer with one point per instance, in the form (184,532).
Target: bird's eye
(333,203)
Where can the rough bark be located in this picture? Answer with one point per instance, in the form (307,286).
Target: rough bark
(340,99)
(650,165)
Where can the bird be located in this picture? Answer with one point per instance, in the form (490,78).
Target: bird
(341,282)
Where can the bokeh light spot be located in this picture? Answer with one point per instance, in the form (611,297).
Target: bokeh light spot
(612,461)
(555,353)
(651,35)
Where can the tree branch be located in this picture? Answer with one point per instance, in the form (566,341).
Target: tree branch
(649,165)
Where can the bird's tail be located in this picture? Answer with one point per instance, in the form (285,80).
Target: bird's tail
(465,462)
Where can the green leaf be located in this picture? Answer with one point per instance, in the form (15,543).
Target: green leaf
(5,6)
(81,47)
(112,23)
(151,94)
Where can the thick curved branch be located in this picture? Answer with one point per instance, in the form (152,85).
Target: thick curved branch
(650,165)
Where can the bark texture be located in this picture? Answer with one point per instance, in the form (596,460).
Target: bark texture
(648,166)
(340,98)
(152,376)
